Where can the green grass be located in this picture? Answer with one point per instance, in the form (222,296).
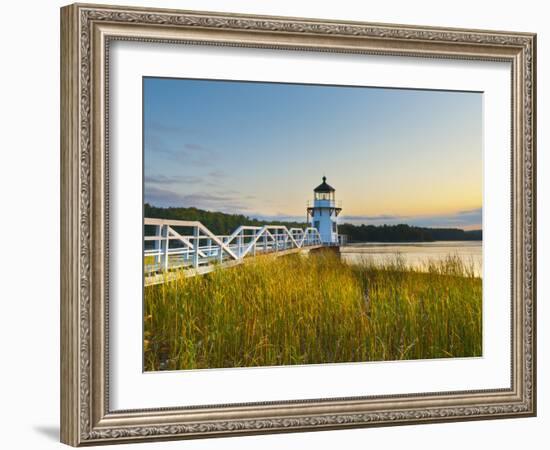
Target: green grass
(312,310)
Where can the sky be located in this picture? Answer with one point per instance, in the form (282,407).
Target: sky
(393,155)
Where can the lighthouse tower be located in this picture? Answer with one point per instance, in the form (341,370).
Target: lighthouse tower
(323,212)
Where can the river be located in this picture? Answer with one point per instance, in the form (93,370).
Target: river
(416,254)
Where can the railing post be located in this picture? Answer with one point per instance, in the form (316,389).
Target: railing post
(220,256)
(157,243)
(239,244)
(165,245)
(196,234)
(255,242)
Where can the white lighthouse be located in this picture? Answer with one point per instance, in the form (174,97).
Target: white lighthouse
(324,212)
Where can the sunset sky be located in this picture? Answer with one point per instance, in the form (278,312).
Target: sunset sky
(393,155)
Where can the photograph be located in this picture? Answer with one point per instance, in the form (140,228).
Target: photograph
(294,224)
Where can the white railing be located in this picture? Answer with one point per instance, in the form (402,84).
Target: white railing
(181,244)
(324,203)
(342,239)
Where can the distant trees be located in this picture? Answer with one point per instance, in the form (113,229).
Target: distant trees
(405,233)
(217,222)
(222,223)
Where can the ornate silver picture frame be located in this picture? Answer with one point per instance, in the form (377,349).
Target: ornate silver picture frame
(87,33)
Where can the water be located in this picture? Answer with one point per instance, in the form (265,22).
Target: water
(416,254)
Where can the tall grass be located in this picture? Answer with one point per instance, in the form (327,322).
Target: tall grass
(311,310)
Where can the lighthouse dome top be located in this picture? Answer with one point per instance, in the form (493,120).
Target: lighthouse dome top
(324,187)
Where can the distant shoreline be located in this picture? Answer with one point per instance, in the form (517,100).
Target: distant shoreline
(405,243)
(224,224)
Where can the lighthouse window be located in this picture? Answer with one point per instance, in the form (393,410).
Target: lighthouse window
(323,196)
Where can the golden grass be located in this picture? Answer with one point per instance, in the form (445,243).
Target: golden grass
(312,310)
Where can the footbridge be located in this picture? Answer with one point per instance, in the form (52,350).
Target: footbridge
(172,247)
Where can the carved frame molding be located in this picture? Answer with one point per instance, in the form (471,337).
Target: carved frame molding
(86,32)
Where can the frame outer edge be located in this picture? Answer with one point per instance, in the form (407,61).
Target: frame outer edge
(79,226)
(533,224)
(535,374)
(70,299)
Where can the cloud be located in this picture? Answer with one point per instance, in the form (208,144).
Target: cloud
(376,218)
(174,179)
(163,128)
(186,156)
(195,147)
(173,149)
(210,179)
(279,217)
(203,200)
(218,173)
(470,212)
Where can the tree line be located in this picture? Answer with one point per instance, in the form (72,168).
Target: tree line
(217,222)
(222,224)
(405,233)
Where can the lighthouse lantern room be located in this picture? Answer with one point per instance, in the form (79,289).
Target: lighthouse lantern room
(324,211)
